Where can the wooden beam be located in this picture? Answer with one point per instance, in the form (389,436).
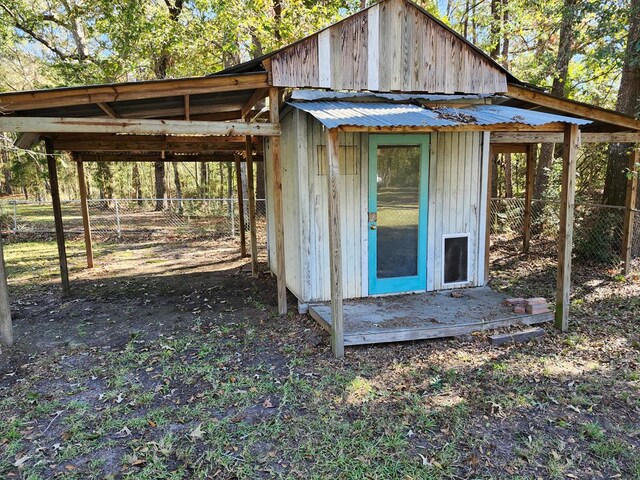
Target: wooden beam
(187,107)
(252,208)
(144,157)
(485,206)
(530,176)
(571,107)
(84,208)
(6,325)
(500,127)
(274,117)
(508,148)
(134,126)
(629,211)
(215,111)
(545,137)
(243,242)
(57,214)
(64,97)
(565,241)
(149,143)
(335,244)
(107,109)
(255,98)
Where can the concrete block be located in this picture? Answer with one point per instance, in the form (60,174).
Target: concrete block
(520,309)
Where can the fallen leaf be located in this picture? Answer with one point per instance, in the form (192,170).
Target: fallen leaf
(267,403)
(197,433)
(21,461)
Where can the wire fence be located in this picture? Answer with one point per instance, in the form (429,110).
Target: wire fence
(125,218)
(598,230)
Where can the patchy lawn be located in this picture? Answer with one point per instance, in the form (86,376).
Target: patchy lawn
(168,361)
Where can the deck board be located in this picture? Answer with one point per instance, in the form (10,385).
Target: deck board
(423,316)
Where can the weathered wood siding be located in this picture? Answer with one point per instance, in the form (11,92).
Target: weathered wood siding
(455,200)
(391,46)
(292,193)
(457,188)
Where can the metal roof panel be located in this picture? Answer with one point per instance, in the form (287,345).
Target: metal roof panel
(334,114)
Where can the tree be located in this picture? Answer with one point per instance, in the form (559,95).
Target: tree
(629,103)
(559,87)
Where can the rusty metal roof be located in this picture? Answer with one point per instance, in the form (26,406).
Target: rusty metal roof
(334,114)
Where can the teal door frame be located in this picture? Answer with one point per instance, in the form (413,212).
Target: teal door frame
(398,284)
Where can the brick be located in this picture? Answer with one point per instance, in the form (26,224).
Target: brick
(535,309)
(514,301)
(520,309)
(536,301)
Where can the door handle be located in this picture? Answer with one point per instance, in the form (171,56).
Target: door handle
(372,227)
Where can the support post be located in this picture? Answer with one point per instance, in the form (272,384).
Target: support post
(629,211)
(57,213)
(335,246)
(251,193)
(84,207)
(565,241)
(274,117)
(6,326)
(528,196)
(243,241)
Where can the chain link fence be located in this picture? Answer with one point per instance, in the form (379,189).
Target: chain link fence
(123,219)
(597,230)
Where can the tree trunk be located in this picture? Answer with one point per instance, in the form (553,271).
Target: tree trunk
(6,167)
(158,168)
(204,179)
(494,177)
(508,176)
(137,184)
(176,180)
(565,52)
(628,102)
(104,178)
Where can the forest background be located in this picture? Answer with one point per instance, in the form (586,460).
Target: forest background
(587,50)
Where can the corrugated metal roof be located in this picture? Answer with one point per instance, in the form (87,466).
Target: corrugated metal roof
(334,114)
(315,95)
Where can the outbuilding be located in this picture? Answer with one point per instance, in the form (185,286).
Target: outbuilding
(376,153)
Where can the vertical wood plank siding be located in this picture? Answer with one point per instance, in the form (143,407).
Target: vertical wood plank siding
(391,46)
(456,205)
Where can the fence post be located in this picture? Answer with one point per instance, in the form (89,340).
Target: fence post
(15,217)
(629,210)
(118,231)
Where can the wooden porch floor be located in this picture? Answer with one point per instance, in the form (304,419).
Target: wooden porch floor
(422,316)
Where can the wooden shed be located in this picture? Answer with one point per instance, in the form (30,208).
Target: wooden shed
(376,148)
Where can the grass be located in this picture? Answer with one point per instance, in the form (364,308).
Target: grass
(233,391)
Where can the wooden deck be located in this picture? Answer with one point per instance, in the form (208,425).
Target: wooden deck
(423,316)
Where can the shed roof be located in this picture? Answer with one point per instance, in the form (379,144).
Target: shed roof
(333,114)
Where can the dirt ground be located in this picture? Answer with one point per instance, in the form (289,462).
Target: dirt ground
(168,360)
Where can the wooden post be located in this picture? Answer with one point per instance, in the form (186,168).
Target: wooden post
(335,246)
(84,207)
(251,192)
(629,211)
(528,196)
(565,241)
(274,117)
(243,242)
(6,327)
(57,213)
